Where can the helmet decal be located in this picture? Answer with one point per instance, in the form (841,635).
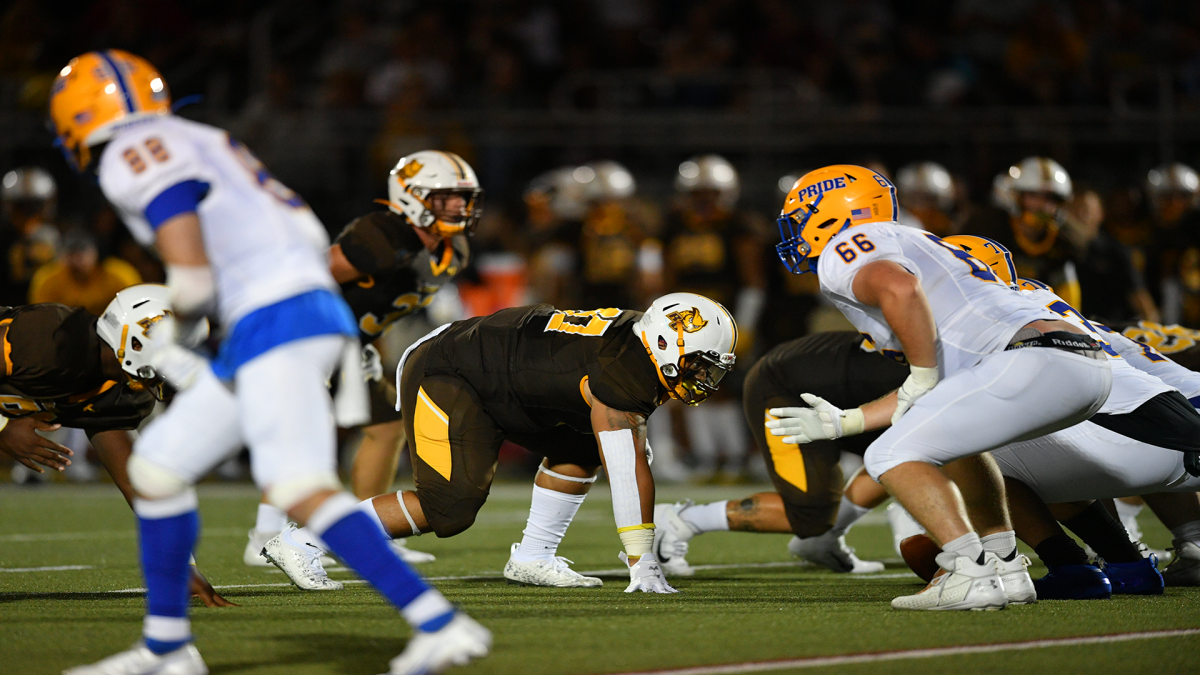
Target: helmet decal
(687,320)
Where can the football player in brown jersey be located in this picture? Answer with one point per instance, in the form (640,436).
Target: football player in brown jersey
(65,367)
(573,386)
(390,264)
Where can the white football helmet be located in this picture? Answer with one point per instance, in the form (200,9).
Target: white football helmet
(710,172)
(1040,174)
(1173,177)
(418,175)
(125,326)
(605,180)
(691,339)
(926,178)
(561,191)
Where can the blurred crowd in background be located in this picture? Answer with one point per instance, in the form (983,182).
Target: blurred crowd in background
(330,95)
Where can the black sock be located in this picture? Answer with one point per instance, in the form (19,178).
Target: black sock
(1104,533)
(1060,550)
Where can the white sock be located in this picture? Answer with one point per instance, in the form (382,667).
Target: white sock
(550,513)
(270,518)
(1189,531)
(968,545)
(368,507)
(848,514)
(1128,514)
(707,517)
(1002,544)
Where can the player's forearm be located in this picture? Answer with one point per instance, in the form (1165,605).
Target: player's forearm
(908,314)
(878,413)
(622,440)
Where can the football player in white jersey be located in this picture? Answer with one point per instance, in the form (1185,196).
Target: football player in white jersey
(977,353)
(240,245)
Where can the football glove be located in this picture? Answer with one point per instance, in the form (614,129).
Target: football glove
(920,381)
(646,575)
(823,421)
(372,365)
(177,365)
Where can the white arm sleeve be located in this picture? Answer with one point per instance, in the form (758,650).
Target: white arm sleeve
(620,460)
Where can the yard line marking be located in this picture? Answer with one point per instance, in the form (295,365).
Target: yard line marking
(485,576)
(52,568)
(108,534)
(904,654)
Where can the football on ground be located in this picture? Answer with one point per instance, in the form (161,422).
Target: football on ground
(69,583)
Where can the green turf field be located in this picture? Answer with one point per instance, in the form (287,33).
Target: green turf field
(754,605)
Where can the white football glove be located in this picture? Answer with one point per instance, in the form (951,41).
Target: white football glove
(920,381)
(372,364)
(179,366)
(823,421)
(646,575)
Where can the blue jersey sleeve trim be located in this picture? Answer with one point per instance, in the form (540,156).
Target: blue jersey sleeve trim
(179,198)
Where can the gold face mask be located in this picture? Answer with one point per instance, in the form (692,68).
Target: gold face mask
(1035,232)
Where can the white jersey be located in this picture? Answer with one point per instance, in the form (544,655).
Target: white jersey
(1148,359)
(1130,387)
(976,314)
(263,242)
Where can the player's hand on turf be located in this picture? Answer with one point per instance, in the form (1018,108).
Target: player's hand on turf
(372,365)
(20,440)
(821,422)
(204,590)
(920,381)
(646,575)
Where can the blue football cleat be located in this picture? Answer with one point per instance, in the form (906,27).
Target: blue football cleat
(1073,582)
(1135,578)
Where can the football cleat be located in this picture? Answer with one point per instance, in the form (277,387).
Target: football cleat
(550,572)
(456,644)
(1014,574)
(671,536)
(301,563)
(1073,582)
(1134,578)
(832,552)
(1185,569)
(252,556)
(962,584)
(141,661)
(400,546)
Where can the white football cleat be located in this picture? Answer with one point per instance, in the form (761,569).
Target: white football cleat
(961,584)
(671,536)
(252,556)
(141,661)
(1185,569)
(833,553)
(301,563)
(400,546)
(456,644)
(552,572)
(1014,575)
(903,525)
(646,575)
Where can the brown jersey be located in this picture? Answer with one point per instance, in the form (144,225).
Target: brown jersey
(52,369)
(401,275)
(528,365)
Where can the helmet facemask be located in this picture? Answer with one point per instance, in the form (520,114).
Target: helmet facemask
(697,375)
(794,250)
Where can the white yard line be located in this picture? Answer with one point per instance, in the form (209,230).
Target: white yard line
(52,568)
(109,534)
(906,654)
(616,571)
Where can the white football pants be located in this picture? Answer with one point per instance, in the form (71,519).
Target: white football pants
(280,408)
(1008,397)
(1088,461)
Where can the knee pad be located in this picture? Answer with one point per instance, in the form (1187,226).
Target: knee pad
(151,481)
(288,493)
